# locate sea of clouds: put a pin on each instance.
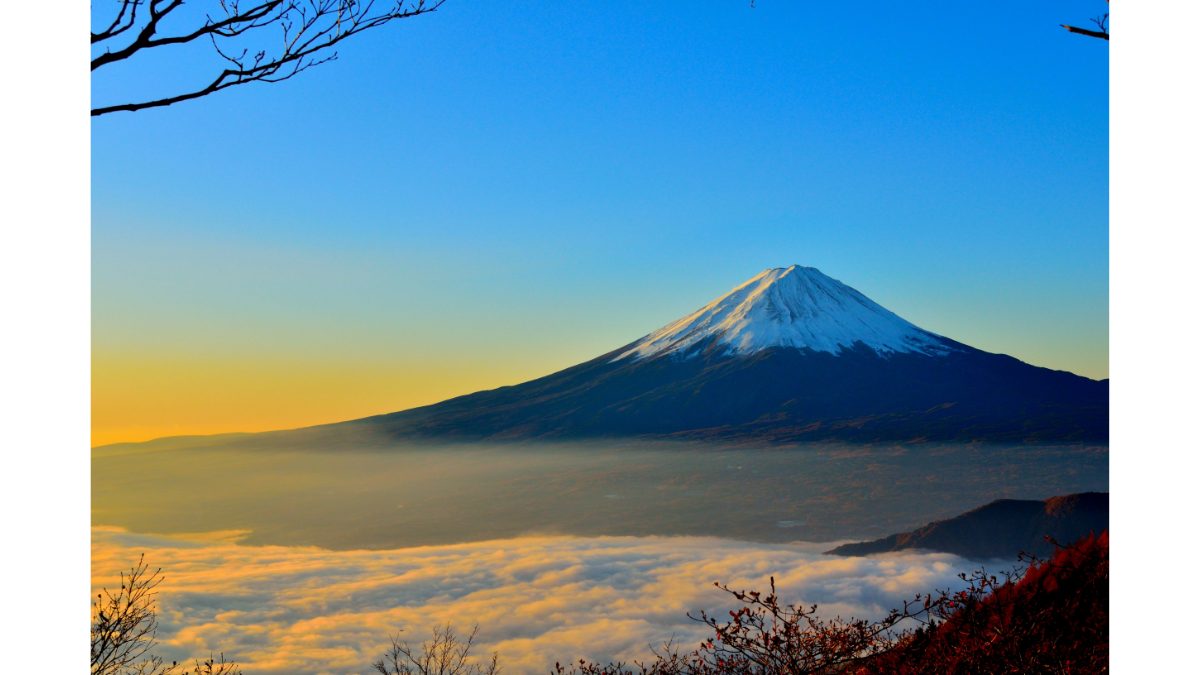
(537, 600)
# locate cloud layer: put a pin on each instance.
(537, 599)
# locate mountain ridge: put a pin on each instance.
(1000, 529)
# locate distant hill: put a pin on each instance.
(1001, 529)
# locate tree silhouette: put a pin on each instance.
(125, 628)
(1101, 23)
(309, 30)
(442, 654)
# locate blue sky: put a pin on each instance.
(499, 190)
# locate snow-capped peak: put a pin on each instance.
(790, 307)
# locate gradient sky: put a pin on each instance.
(499, 190)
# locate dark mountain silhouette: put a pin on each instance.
(791, 355)
(1001, 529)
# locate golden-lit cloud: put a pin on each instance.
(537, 599)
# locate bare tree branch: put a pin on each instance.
(235, 23)
(125, 20)
(1101, 23)
(443, 654)
(1084, 31)
(309, 29)
(125, 629)
(217, 666)
(125, 625)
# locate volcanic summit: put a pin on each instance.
(790, 355)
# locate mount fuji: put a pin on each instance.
(790, 307)
(791, 355)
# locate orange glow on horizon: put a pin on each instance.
(135, 398)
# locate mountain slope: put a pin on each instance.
(1001, 529)
(789, 356)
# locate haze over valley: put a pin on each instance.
(403, 495)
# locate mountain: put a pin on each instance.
(791, 355)
(794, 307)
(1001, 529)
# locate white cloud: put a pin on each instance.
(537, 599)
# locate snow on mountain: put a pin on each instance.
(790, 307)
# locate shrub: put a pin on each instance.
(125, 628)
(1044, 616)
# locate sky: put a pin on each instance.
(496, 191)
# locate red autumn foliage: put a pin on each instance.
(1049, 616)
(1054, 619)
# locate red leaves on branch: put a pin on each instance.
(1046, 616)
(1053, 619)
